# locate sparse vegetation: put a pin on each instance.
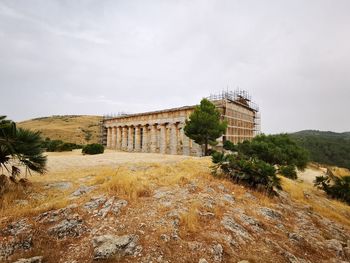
(88, 135)
(93, 148)
(204, 125)
(336, 187)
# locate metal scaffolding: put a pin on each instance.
(241, 125)
(238, 96)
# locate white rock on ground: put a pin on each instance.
(109, 246)
(37, 259)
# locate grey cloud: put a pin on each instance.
(96, 57)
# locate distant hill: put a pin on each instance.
(326, 147)
(68, 128)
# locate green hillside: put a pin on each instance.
(326, 147)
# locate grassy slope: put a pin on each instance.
(69, 128)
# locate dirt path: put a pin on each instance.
(309, 174)
(74, 159)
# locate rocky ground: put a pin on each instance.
(177, 212)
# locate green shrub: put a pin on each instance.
(288, 171)
(67, 146)
(93, 148)
(248, 171)
(217, 157)
(335, 187)
(52, 145)
(211, 151)
(230, 146)
(59, 146)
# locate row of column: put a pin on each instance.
(154, 138)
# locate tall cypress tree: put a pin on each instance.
(204, 125)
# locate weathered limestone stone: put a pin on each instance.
(109, 137)
(113, 140)
(173, 138)
(109, 246)
(130, 139)
(153, 143)
(145, 136)
(119, 138)
(37, 259)
(162, 144)
(137, 139)
(185, 142)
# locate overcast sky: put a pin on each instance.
(99, 57)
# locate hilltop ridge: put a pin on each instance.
(325, 147)
(68, 128)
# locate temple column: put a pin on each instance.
(124, 138)
(145, 135)
(173, 139)
(119, 137)
(153, 142)
(109, 137)
(113, 141)
(185, 142)
(162, 139)
(130, 138)
(137, 139)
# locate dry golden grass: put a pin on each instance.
(190, 220)
(329, 208)
(142, 179)
(10, 209)
(340, 171)
(137, 181)
(180, 173)
(124, 182)
(219, 211)
(67, 128)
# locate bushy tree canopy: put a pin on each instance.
(20, 147)
(277, 149)
(230, 146)
(204, 125)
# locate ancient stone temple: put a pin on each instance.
(163, 131)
